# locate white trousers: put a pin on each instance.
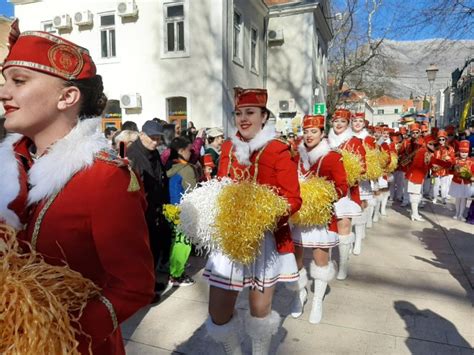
(441, 183)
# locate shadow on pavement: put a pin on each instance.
(424, 324)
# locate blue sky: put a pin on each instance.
(6, 8)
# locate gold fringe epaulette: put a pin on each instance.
(110, 156)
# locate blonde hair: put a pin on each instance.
(126, 136)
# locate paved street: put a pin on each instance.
(409, 292)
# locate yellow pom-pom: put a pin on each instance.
(245, 211)
(374, 168)
(318, 196)
(393, 163)
(171, 213)
(353, 166)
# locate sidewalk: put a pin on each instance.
(409, 292)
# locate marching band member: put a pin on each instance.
(317, 159)
(441, 175)
(380, 184)
(395, 138)
(341, 138)
(399, 172)
(407, 152)
(253, 152)
(358, 125)
(387, 180)
(85, 207)
(423, 160)
(460, 187)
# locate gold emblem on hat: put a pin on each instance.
(66, 59)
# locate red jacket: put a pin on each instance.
(331, 167)
(356, 146)
(422, 162)
(275, 168)
(462, 163)
(445, 153)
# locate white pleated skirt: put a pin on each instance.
(346, 208)
(414, 188)
(365, 190)
(459, 190)
(314, 237)
(380, 183)
(269, 268)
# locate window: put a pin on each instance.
(174, 28)
(238, 36)
(380, 112)
(395, 111)
(254, 50)
(177, 110)
(107, 36)
(412, 109)
(48, 27)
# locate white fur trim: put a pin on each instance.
(243, 150)
(262, 328)
(221, 333)
(9, 180)
(346, 239)
(323, 273)
(69, 155)
(336, 140)
(300, 283)
(362, 134)
(308, 158)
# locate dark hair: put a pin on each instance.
(109, 130)
(130, 126)
(93, 99)
(176, 144)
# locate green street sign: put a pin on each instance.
(319, 108)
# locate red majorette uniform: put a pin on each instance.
(442, 175)
(423, 160)
(460, 187)
(407, 152)
(387, 179)
(79, 208)
(323, 162)
(348, 206)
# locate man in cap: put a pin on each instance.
(146, 161)
(215, 138)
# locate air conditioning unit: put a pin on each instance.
(275, 36)
(127, 8)
(83, 18)
(287, 105)
(130, 101)
(62, 22)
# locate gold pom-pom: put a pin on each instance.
(40, 304)
(353, 166)
(171, 213)
(245, 211)
(393, 163)
(374, 169)
(318, 196)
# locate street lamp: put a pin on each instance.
(431, 72)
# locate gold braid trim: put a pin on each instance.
(39, 220)
(111, 310)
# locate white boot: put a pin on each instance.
(226, 334)
(383, 206)
(378, 203)
(261, 331)
(345, 242)
(359, 233)
(370, 212)
(300, 294)
(322, 275)
(414, 201)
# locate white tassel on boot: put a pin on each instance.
(322, 275)
(300, 294)
(370, 212)
(378, 204)
(261, 330)
(383, 206)
(345, 242)
(226, 334)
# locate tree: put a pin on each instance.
(352, 50)
(411, 95)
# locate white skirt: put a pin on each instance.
(365, 190)
(459, 190)
(414, 188)
(314, 237)
(346, 208)
(269, 268)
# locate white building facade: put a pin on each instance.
(178, 60)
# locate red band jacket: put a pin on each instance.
(356, 146)
(468, 164)
(269, 163)
(422, 162)
(83, 210)
(445, 153)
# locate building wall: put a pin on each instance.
(389, 117)
(139, 66)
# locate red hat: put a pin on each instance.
(207, 160)
(430, 139)
(395, 138)
(386, 129)
(424, 128)
(434, 131)
(464, 146)
(250, 97)
(450, 130)
(414, 127)
(370, 128)
(313, 121)
(442, 133)
(342, 113)
(50, 54)
(366, 123)
(403, 130)
(378, 129)
(359, 115)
